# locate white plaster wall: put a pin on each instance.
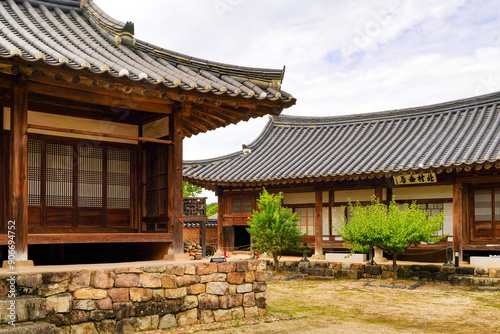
(424, 192)
(448, 218)
(76, 123)
(355, 195)
(299, 198)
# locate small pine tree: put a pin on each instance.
(390, 229)
(273, 228)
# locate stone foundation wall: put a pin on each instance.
(138, 299)
(478, 276)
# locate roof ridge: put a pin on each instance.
(394, 113)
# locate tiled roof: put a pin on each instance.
(462, 132)
(80, 35)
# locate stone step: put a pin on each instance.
(28, 328)
(474, 281)
(27, 308)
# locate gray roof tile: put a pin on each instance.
(59, 31)
(448, 134)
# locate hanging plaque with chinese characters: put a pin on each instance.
(415, 179)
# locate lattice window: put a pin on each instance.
(433, 209)
(90, 177)
(242, 205)
(306, 220)
(118, 179)
(59, 175)
(194, 206)
(34, 172)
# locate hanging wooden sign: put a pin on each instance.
(415, 179)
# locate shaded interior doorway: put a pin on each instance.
(241, 238)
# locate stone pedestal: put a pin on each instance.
(379, 255)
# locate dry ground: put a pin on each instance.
(346, 306)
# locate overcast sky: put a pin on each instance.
(341, 57)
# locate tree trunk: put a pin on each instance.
(394, 266)
(275, 257)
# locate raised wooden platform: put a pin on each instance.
(78, 238)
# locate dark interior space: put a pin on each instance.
(241, 238)
(92, 253)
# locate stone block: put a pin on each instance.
(242, 266)
(447, 270)
(189, 303)
(235, 278)
(249, 277)
(196, 289)
(354, 274)
(253, 265)
(217, 288)
(225, 267)
(249, 299)
(175, 293)
(169, 306)
(203, 269)
(126, 281)
(154, 269)
(478, 271)
(86, 328)
(158, 294)
(346, 265)
(208, 302)
(148, 323)
(494, 273)
(260, 276)
(177, 269)
(84, 304)
(358, 266)
(219, 277)
(129, 270)
(102, 279)
(206, 278)
(251, 312)
(79, 280)
(260, 300)
(119, 294)
(464, 270)
(124, 310)
(191, 279)
(238, 313)
(187, 318)
(90, 293)
(259, 286)
(222, 315)
(126, 326)
(140, 295)
(27, 308)
(32, 280)
(105, 304)
(190, 269)
(168, 321)
(168, 281)
(150, 280)
(146, 308)
(206, 316)
(232, 289)
(47, 290)
(230, 301)
(78, 316)
(99, 315)
(61, 303)
(262, 312)
(387, 274)
(244, 288)
(106, 326)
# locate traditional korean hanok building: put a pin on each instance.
(92, 128)
(444, 156)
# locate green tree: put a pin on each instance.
(212, 209)
(390, 229)
(273, 228)
(190, 190)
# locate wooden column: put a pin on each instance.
(379, 194)
(3, 179)
(318, 239)
(220, 221)
(19, 168)
(457, 216)
(331, 204)
(175, 224)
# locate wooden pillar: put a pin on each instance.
(378, 194)
(19, 168)
(457, 216)
(220, 220)
(331, 204)
(3, 179)
(318, 239)
(175, 223)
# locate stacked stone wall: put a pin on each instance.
(138, 299)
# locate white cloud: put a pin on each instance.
(342, 56)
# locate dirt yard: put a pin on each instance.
(346, 306)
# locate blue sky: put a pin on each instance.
(341, 57)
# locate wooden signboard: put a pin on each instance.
(401, 180)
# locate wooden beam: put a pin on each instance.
(175, 178)
(457, 216)
(112, 99)
(19, 167)
(318, 235)
(83, 238)
(98, 134)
